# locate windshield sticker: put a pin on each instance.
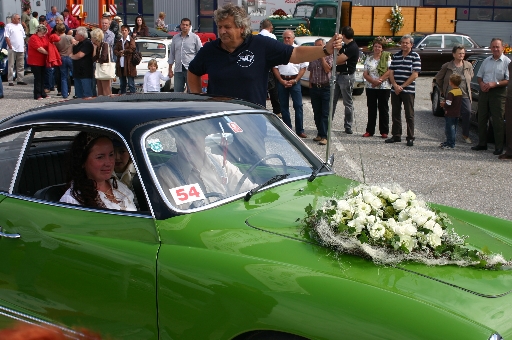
(155, 145)
(234, 126)
(187, 193)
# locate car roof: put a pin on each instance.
(124, 113)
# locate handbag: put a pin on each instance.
(105, 71)
(136, 57)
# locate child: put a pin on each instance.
(451, 107)
(152, 78)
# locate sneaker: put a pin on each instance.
(467, 140)
(442, 144)
(317, 139)
(323, 141)
(446, 147)
(367, 134)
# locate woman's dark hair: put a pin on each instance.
(457, 47)
(83, 188)
(379, 41)
(137, 28)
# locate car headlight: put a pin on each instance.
(495, 336)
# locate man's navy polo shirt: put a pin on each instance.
(243, 73)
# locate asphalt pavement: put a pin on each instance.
(471, 180)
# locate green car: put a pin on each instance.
(217, 247)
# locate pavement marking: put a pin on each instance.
(357, 170)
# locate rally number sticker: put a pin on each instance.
(187, 193)
(234, 127)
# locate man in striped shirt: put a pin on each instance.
(405, 68)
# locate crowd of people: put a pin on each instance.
(269, 68)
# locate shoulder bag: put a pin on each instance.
(136, 56)
(105, 71)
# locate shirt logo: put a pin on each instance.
(245, 59)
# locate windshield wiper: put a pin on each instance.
(274, 179)
(327, 165)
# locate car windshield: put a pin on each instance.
(151, 49)
(198, 163)
(302, 11)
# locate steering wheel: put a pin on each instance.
(251, 169)
(208, 195)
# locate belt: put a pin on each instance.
(288, 77)
(320, 85)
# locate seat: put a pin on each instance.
(51, 193)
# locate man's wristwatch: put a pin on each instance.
(497, 83)
(325, 50)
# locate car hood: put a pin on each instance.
(483, 231)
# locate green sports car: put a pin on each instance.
(217, 248)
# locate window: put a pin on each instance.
(10, 149)
(467, 43)
(432, 42)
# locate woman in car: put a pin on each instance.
(92, 184)
(465, 70)
(140, 29)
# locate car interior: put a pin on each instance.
(43, 172)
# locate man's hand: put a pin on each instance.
(484, 87)
(398, 88)
(171, 74)
(334, 43)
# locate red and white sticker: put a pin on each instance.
(234, 126)
(187, 193)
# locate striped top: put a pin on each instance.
(403, 67)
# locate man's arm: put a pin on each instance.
(302, 54)
(170, 61)
(193, 82)
(325, 65)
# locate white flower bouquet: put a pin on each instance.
(396, 19)
(3, 53)
(390, 225)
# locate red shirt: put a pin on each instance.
(35, 57)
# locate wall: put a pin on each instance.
(483, 31)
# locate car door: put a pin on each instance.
(430, 51)
(324, 20)
(73, 266)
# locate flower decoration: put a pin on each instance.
(390, 225)
(388, 42)
(396, 20)
(2, 24)
(279, 14)
(507, 49)
(3, 54)
(301, 30)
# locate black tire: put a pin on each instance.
(357, 92)
(437, 110)
(115, 90)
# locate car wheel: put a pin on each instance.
(437, 110)
(357, 92)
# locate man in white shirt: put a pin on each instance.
(183, 49)
(15, 39)
(288, 84)
(266, 29)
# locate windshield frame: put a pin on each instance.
(305, 151)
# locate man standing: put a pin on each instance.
(108, 35)
(320, 92)
(238, 62)
(183, 49)
(50, 17)
(25, 20)
(346, 67)
(266, 31)
(405, 68)
(15, 39)
(288, 85)
(493, 79)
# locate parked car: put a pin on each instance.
(436, 49)
(359, 84)
(151, 48)
(196, 263)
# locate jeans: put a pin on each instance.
(344, 89)
(65, 69)
(83, 87)
(450, 129)
(122, 84)
(1, 90)
(296, 94)
(377, 99)
(320, 102)
(180, 79)
(49, 82)
(19, 58)
(38, 72)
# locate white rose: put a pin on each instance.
(370, 219)
(419, 219)
(409, 229)
(376, 203)
(438, 230)
(377, 231)
(433, 239)
(408, 242)
(343, 205)
(429, 224)
(375, 190)
(393, 197)
(403, 216)
(399, 204)
(385, 192)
